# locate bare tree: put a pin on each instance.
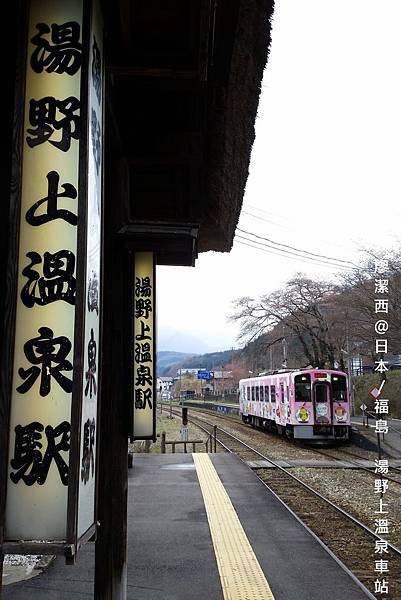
(306, 308)
(324, 322)
(362, 289)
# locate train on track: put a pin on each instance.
(310, 404)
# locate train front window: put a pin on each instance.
(321, 392)
(302, 388)
(339, 388)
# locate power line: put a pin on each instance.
(288, 227)
(286, 254)
(245, 212)
(282, 218)
(266, 212)
(347, 263)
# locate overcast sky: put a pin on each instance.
(325, 166)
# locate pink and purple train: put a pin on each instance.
(311, 404)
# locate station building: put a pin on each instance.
(165, 126)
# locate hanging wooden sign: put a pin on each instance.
(144, 347)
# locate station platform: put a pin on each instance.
(204, 527)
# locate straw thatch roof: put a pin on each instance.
(183, 86)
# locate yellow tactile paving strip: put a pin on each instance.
(241, 575)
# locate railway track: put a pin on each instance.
(347, 538)
(370, 470)
(395, 470)
(339, 450)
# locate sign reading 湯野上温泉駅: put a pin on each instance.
(144, 355)
(50, 493)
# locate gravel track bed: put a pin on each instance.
(359, 499)
(354, 547)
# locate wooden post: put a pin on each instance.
(163, 443)
(379, 448)
(12, 128)
(173, 447)
(1, 573)
(215, 437)
(111, 543)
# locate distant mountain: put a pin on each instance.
(170, 362)
(211, 360)
(167, 358)
(182, 341)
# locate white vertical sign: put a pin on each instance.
(86, 505)
(40, 419)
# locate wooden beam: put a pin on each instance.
(132, 71)
(206, 36)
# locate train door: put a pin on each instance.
(283, 406)
(288, 414)
(268, 411)
(273, 401)
(257, 395)
(321, 403)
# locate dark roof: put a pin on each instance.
(183, 88)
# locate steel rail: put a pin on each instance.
(358, 466)
(299, 481)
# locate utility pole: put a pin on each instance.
(349, 366)
(284, 350)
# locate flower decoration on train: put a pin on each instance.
(302, 415)
(321, 413)
(340, 414)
